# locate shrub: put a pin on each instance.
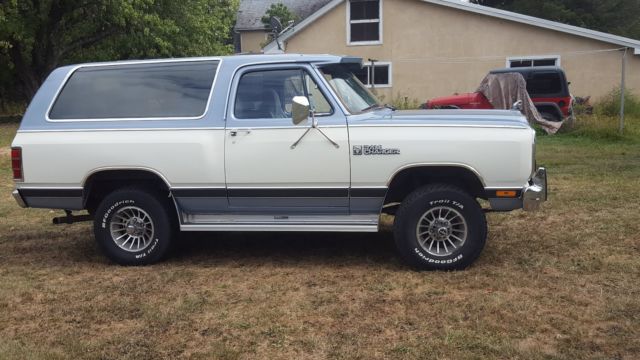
(401, 102)
(610, 104)
(601, 127)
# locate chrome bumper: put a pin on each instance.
(19, 199)
(536, 193)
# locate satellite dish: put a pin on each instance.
(276, 25)
(276, 28)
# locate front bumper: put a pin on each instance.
(18, 198)
(536, 192)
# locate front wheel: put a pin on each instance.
(133, 227)
(440, 227)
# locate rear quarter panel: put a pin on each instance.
(66, 158)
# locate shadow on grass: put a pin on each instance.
(292, 248)
(75, 247)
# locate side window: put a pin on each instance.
(153, 90)
(269, 94)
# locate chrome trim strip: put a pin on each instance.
(49, 188)
(283, 127)
(465, 166)
(136, 62)
(440, 125)
(109, 168)
(123, 129)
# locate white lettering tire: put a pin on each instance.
(440, 227)
(134, 227)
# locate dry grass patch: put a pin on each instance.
(559, 284)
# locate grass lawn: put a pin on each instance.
(563, 283)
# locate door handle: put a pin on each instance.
(235, 132)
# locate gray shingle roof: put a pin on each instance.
(251, 12)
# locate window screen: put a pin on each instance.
(158, 90)
(379, 76)
(533, 62)
(364, 9)
(364, 20)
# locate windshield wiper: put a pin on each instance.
(374, 106)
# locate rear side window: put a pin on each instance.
(544, 84)
(157, 90)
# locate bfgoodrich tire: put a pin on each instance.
(440, 227)
(133, 227)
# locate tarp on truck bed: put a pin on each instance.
(503, 90)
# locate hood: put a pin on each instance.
(444, 118)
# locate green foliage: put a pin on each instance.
(599, 127)
(281, 11)
(613, 16)
(401, 102)
(610, 104)
(38, 36)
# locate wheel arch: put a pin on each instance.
(102, 181)
(408, 178)
(551, 108)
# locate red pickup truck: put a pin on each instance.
(547, 86)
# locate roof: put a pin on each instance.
(488, 11)
(236, 60)
(251, 12)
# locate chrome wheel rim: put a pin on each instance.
(441, 231)
(132, 229)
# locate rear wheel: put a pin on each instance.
(440, 227)
(133, 227)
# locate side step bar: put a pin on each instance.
(326, 223)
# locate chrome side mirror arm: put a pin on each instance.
(314, 125)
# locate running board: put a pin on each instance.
(311, 223)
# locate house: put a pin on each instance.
(427, 48)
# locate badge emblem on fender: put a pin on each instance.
(374, 150)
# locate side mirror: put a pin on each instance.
(300, 109)
(518, 105)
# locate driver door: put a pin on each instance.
(264, 173)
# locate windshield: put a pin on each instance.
(353, 94)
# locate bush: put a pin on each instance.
(601, 127)
(610, 104)
(11, 108)
(405, 103)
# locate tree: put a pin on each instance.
(36, 36)
(620, 17)
(281, 11)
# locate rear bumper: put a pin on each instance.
(18, 198)
(536, 192)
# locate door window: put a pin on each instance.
(269, 94)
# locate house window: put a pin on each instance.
(364, 22)
(378, 75)
(533, 61)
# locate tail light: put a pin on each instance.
(16, 163)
